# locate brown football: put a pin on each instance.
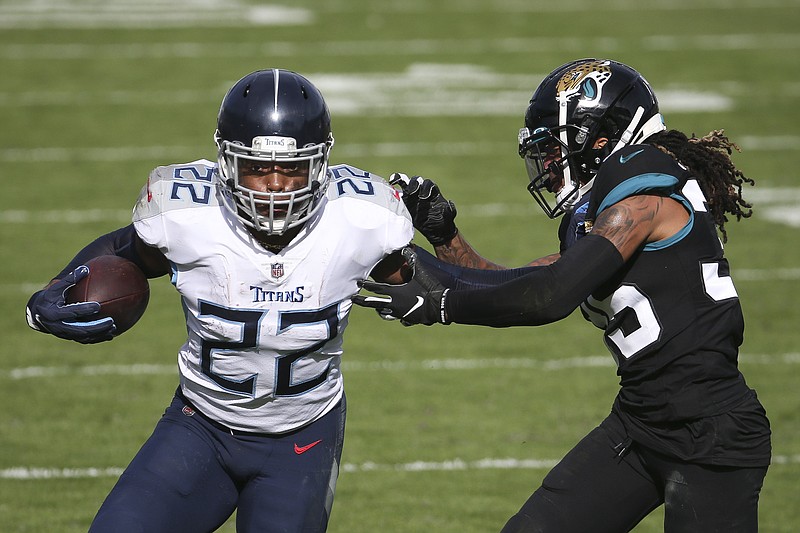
(118, 285)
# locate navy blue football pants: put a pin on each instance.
(192, 474)
(606, 484)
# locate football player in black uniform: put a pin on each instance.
(685, 429)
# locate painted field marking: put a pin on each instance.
(778, 205)
(380, 149)
(461, 465)
(419, 47)
(423, 89)
(387, 365)
(44, 14)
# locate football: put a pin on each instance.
(118, 285)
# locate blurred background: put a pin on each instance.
(449, 429)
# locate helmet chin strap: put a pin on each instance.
(572, 196)
(586, 187)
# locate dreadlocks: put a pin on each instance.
(709, 159)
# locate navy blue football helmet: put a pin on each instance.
(576, 105)
(280, 118)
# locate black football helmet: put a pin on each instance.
(577, 104)
(277, 117)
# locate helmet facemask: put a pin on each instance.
(276, 212)
(273, 124)
(555, 168)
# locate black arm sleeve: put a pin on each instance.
(544, 295)
(121, 242)
(462, 278)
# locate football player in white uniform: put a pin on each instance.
(266, 248)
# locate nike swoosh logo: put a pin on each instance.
(625, 158)
(303, 449)
(417, 305)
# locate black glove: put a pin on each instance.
(48, 312)
(419, 301)
(433, 214)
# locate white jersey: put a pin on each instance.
(265, 330)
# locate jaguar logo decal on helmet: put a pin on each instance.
(586, 80)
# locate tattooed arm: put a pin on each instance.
(459, 252)
(638, 220)
(545, 294)
(628, 225)
(551, 293)
(548, 293)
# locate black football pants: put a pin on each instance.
(608, 484)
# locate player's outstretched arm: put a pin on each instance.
(434, 216)
(540, 295)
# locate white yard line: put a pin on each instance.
(456, 464)
(224, 13)
(778, 204)
(552, 365)
(422, 89)
(521, 45)
(137, 14)
(394, 95)
(380, 149)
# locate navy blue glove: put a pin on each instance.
(418, 301)
(433, 215)
(48, 312)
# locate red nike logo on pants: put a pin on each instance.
(303, 449)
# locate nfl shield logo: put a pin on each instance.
(277, 270)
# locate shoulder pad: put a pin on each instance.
(177, 186)
(635, 169)
(354, 183)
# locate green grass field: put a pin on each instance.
(449, 428)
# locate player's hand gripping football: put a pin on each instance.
(48, 311)
(433, 214)
(418, 301)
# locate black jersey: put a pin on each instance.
(671, 316)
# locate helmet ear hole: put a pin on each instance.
(586, 130)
